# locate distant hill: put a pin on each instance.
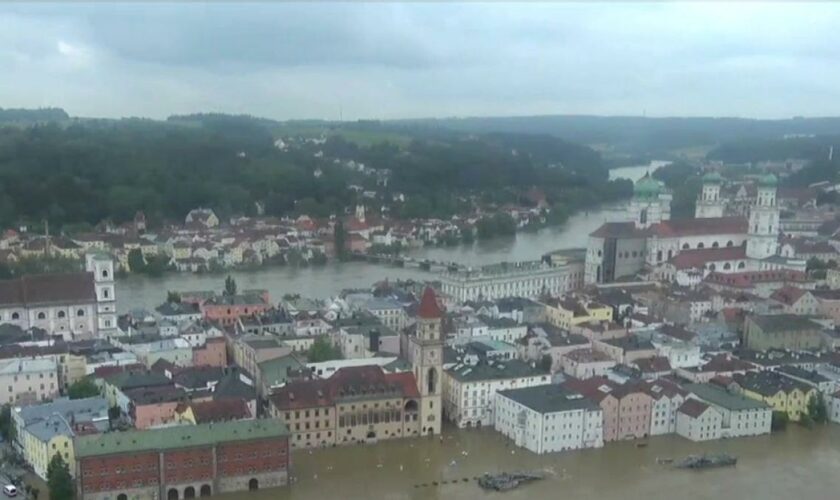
(641, 135)
(32, 116)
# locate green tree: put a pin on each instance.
(779, 421)
(340, 241)
(323, 350)
(546, 362)
(7, 427)
(59, 481)
(230, 286)
(136, 262)
(84, 388)
(817, 408)
(173, 297)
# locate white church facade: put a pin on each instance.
(685, 250)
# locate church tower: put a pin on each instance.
(427, 361)
(709, 204)
(650, 205)
(763, 233)
(102, 268)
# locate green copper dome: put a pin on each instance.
(712, 178)
(768, 180)
(647, 187)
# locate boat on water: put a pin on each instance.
(505, 481)
(707, 461)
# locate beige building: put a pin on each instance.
(782, 331)
(251, 350)
(28, 381)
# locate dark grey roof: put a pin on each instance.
(549, 398)
(507, 369)
(784, 322)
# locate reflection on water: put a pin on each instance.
(138, 291)
(799, 463)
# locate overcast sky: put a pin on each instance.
(393, 60)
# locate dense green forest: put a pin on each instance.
(775, 149)
(85, 171)
(684, 180)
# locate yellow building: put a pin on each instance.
(781, 393)
(570, 311)
(43, 430)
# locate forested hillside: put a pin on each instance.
(92, 170)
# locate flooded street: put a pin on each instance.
(798, 463)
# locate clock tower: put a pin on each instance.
(427, 361)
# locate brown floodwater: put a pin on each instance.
(797, 464)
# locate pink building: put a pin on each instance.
(212, 353)
(227, 309)
(626, 407)
(153, 406)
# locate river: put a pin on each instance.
(797, 463)
(139, 291)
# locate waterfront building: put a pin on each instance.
(426, 356)
(529, 279)
(28, 381)
(228, 309)
(184, 461)
(469, 390)
(699, 421)
(544, 339)
(651, 241)
(741, 416)
(782, 331)
(782, 393)
(833, 403)
(667, 398)
(359, 404)
(627, 407)
(549, 418)
(45, 429)
(74, 305)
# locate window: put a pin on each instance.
(61, 314)
(15, 315)
(80, 313)
(41, 315)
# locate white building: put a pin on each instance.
(74, 305)
(528, 279)
(698, 421)
(741, 416)
(667, 399)
(504, 329)
(469, 391)
(28, 381)
(709, 203)
(649, 240)
(549, 418)
(833, 403)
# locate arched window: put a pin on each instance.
(715, 244)
(741, 265)
(61, 314)
(701, 245)
(42, 315)
(122, 496)
(206, 491)
(729, 243)
(104, 273)
(685, 246)
(189, 492)
(15, 315)
(712, 267)
(80, 313)
(727, 266)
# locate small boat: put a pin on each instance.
(664, 461)
(707, 461)
(505, 481)
(642, 444)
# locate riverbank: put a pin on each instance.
(797, 463)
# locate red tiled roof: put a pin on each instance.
(618, 230)
(429, 307)
(693, 408)
(746, 279)
(220, 410)
(655, 364)
(691, 227)
(688, 259)
(62, 288)
(788, 295)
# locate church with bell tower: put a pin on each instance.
(426, 355)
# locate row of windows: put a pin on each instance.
(43, 315)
